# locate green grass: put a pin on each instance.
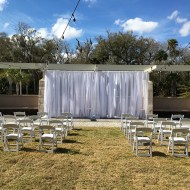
(92, 158)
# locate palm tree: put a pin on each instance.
(172, 48)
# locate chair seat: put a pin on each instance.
(27, 129)
(13, 136)
(143, 139)
(178, 139)
(47, 136)
(166, 131)
(59, 129)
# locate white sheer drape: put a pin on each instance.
(100, 93)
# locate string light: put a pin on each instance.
(71, 18)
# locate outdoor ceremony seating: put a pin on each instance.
(60, 129)
(132, 129)
(12, 137)
(177, 118)
(43, 118)
(143, 138)
(126, 125)
(27, 129)
(123, 119)
(150, 118)
(69, 119)
(156, 126)
(47, 138)
(165, 130)
(10, 119)
(20, 115)
(179, 137)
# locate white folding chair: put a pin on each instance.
(69, 119)
(185, 122)
(12, 137)
(47, 138)
(43, 118)
(144, 140)
(1, 130)
(132, 129)
(59, 129)
(20, 115)
(123, 119)
(150, 118)
(177, 118)
(27, 129)
(165, 130)
(10, 119)
(176, 140)
(156, 125)
(126, 124)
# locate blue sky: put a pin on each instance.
(158, 19)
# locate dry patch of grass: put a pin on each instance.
(92, 158)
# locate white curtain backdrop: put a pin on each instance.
(99, 93)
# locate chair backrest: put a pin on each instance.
(124, 115)
(33, 117)
(168, 124)
(42, 114)
(137, 124)
(10, 127)
(55, 122)
(26, 123)
(158, 121)
(19, 114)
(181, 131)
(150, 117)
(67, 114)
(46, 127)
(144, 129)
(176, 117)
(9, 119)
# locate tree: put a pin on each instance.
(125, 49)
(173, 52)
(161, 56)
(84, 52)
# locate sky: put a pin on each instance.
(157, 19)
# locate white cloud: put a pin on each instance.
(90, 1)
(137, 25)
(173, 15)
(43, 32)
(185, 30)
(181, 20)
(6, 25)
(2, 4)
(70, 33)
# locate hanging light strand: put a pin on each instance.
(71, 18)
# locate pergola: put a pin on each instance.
(93, 67)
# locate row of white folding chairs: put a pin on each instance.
(25, 132)
(13, 137)
(136, 128)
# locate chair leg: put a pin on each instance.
(150, 149)
(172, 148)
(136, 148)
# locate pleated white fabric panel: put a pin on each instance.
(99, 93)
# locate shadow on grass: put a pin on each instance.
(157, 153)
(73, 134)
(29, 149)
(75, 129)
(66, 151)
(69, 141)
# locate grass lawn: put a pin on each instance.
(92, 158)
